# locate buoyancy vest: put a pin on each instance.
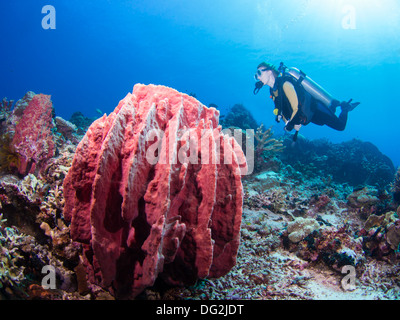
(306, 105)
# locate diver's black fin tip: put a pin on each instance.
(349, 106)
(353, 105)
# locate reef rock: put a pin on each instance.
(393, 235)
(395, 186)
(67, 129)
(81, 122)
(33, 138)
(365, 197)
(240, 117)
(301, 228)
(354, 162)
(155, 190)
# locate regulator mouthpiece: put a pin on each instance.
(258, 87)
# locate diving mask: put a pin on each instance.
(259, 73)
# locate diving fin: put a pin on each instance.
(349, 106)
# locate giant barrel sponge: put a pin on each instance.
(33, 139)
(155, 191)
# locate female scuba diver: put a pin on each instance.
(299, 100)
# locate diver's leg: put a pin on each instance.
(342, 121)
(324, 116)
(335, 103)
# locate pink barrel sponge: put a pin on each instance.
(33, 138)
(155, 190)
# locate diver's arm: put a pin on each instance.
(291, 94)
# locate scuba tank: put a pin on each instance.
(314, 89)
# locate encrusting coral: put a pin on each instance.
(301, 228)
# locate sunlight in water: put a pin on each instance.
(376, 14)
(334, 29)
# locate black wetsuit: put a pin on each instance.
(308, 109)
(325, 116)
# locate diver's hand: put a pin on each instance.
(289, 126)
(278, 118)
(297, 127)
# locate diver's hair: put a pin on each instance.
(269, 66)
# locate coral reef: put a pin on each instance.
(29, 137)
(381, 235)
(20, 106)
(354, 214)
(33, 234)
(81, 122)
(393, 235)
(6, 105)
(10, 115)
(11, 275)
(67, 129)
(365, 197)
(333, 246)
(284, 192)
(21, 200)
(240, 117)
(21, 264)
(354, 162)
(170, 215)
(369, 200)
(267, 271)
(5, 109)
(9, 158)
(364, 201)
(395, 187)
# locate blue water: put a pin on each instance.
(99, 49)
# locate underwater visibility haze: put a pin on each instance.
(114, 224)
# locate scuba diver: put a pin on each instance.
(299, 100)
